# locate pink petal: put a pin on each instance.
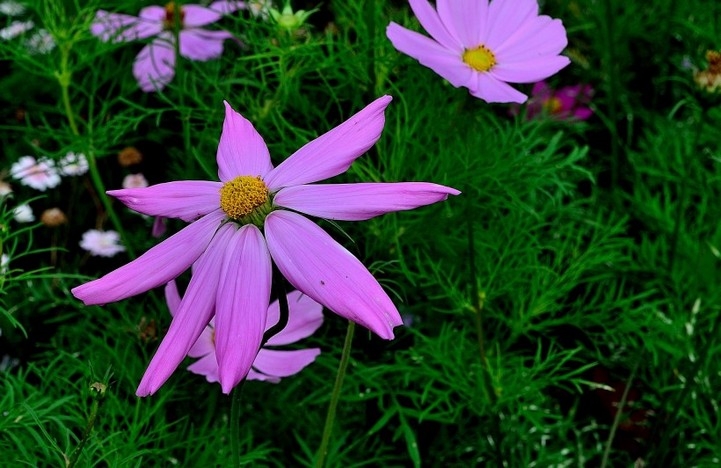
(122, 28)
(321, 268)
(192, 316)
(202, 45)
(537, 38)
(491, 89)
(428, 17)
(241, 150)
(154, 66)
(205, 344)
(187, 200)
(582, 113)
(153, 13)
(172, 296)
(505, 17)
(157, 266)
(541, 90)
(530, 70)
(465, 19)
(333, 152)
(206, 366)
(227, 6)
(242, 305)
(197, 15)
(305, 316)
(357, 202)
(284, 363)
(429, 53)
(158, 228)
(253, 375)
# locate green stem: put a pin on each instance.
(235, 425)
(619, 414)
(86, 434)
(335, 396)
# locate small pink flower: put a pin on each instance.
(305, 316)
(154, 66)
(567, 103)
(39, 174)
(251, 219)
(484, 47)
(73, 164)
(134, 181)
(101, 243)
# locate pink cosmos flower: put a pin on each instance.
(305, 316)
(254, 215)
(484, 47)
(154, 66)
(567, 103)
(39, 174)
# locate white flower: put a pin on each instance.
(5, 188)
(134, 181)
(38, 174)
(15, 29)
(23, 213)
(73, 164)
(41, 42)
(11, 8)
(101, 243)
(260, 8)
(4, 263)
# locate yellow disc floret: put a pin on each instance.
(245, 199)
(480, 58)
(553, 105)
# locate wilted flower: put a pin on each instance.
(484, 47)
(41, 42)
(101, 243)
(567, 103)
(11, 8)
(73, 164)
(154, 66)
(39, 174)
(53, 217)
(15, 29)
(305, 316)
(134, 181)
(129, 156)
(224, 241)
(23, 213)
(710, 79)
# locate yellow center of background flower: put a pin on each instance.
(552, 105)
(480, 58)
(242, 195)
(170, 10)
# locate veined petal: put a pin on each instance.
(429, 53)
(537, 37)
(198, 15)
(465, 19)
(154, 67)
(530, 70)
(333, 152)
(206, 366)
(202, 45)
(505, 18)
(157, 266)
(253, 375)
(242, 305)
(491, 89)
(428, 17)
(192, 316)
(153, 13)
(172, 296)
(305, 316)
(357, 202)
(206, 342)
(321, 268)
(241, 150)
(284, 363)
(187, 199)
(227, 6)
(122, 28)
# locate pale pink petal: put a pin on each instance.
(305, 316)
(202, 45)
(122, 28)
(429, 53)
(529, 71)
(537, 38)
(172, 296)
(158, 228)
(242, 305)
(428, 17)
(192, 315)
(205, 344)
(197, 15)
(321, 268)
(241, 150)
(187, 199)
(206, 366)
(505, 17)
(464, 18)
(227, 6)
(333, 152)
(491, 89)
(155, 267)
(357, 202)
(253, 375)
(154, 66)
(284, 363)
(153, 13)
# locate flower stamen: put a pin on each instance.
(481, 58)
(245, 199)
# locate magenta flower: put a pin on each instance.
(484, 47)
(154, 66)
(305, 316)
(567, 103)
(231, 256)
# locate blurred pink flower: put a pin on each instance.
(101, 243)
(484, 47)
(224, 242)
(73, 164)
(305, 316)
(134, 181)
(39, 174)
(154, 66)
(567, 103)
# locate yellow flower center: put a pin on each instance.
(245, 199)
(170, 10)
(480, 58)
(552, 105)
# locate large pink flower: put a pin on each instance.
(305, 316)
(231, 256)
(483, 46)
(154, 66)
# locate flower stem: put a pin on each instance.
(98, 390)
(335, 396)
(235, 425)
